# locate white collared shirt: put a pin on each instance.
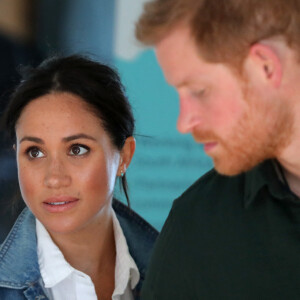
(62, 282)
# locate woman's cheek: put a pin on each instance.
(27, 183)
(97, 180)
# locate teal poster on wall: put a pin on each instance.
(165, 162)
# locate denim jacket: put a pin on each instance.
(19, 268)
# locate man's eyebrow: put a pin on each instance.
(32, 139)
(78, 136)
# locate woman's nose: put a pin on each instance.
(56, 175)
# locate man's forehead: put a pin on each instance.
(181, 62)
(176, 54)
(173, 44)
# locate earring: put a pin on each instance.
(123, 170)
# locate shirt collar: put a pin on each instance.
(54, 268)
(126, 271)
(267, 174)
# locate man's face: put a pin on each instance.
(238, 125)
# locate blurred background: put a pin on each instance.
(165, 162)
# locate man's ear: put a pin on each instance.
(264, 63)
(126, 155)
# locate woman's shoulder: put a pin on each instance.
(132, 220)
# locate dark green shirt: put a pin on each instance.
(229, 238)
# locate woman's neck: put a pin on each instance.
(92, 251)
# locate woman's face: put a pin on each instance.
(67, 165)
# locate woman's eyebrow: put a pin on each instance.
(78, 136)
(65, 139)
(32, 139)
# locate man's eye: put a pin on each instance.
(35, 152)
(198, 93)
(78, 150)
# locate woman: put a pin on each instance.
(72, 128)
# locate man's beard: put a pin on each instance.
(261, 133)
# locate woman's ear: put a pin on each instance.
(126, 155)
(14, 147)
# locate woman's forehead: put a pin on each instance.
(58, 111)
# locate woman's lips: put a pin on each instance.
(60, 204)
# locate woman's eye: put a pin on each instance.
(35, 152)
(78, 150)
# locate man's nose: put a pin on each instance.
(189, 115)
(56, 174)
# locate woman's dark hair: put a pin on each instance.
(95, 83)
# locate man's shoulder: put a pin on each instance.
(210, 191)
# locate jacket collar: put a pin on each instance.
(140, 237)
(20, 247)
(19, 250)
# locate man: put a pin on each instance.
(235, 233)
